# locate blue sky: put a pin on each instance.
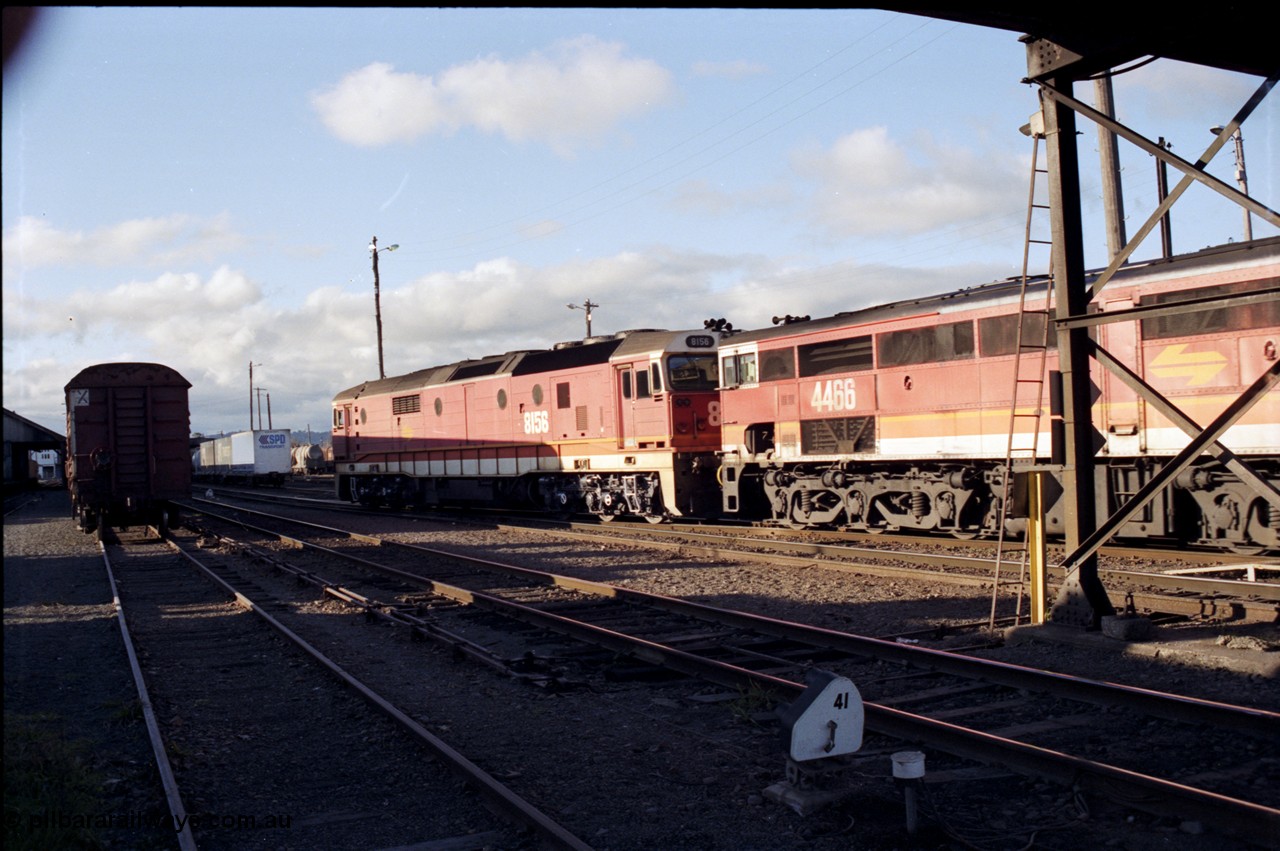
(198, 187)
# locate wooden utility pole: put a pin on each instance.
(1112, 192)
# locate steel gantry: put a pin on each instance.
(1083, 601)
(1063, 49)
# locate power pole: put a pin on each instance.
(1112, 194)
(251, 366)
(377, 305)
(586, 305)
(377, 299)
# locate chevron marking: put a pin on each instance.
(1198, 367)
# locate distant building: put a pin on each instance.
(22, 437)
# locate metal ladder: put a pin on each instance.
(1026, 409)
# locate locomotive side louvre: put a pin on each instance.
(898, 416)
(127, 444)
(613, 425)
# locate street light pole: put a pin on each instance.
(586, 305)
(1242, 179)
(251, 366)
(377, 300)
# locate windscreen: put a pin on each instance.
(693, 372)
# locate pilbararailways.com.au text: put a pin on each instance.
(147, 821)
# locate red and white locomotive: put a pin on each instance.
(892, 417)
(620, 425)
(898, 417)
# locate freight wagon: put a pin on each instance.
(309, 459)
(127, 453)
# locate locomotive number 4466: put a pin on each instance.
(835, 394)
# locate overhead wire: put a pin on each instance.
(685, 174)
(676, 146)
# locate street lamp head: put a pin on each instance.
(1215, 130)
(392, 247)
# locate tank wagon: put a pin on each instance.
(620, 425)
(127, 444)
(309, 459)
(898, 416)
(260, 456)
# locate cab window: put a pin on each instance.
(739, 369)
(692, 372)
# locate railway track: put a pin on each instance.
(1195, 585)
(343, 777)
(1021, 719)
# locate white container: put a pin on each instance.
(908, 765)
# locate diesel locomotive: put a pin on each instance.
(627, 424)
(906, 416)
(912, 415)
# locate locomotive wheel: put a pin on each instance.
(560, 507)
(655, 519)
(606, 518)
(1256, 528)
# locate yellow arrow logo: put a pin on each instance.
(1198, 367)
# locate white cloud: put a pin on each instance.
(209, 327)
(170, 240)
(866, 183)
(573, 93)
(1168, 91)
